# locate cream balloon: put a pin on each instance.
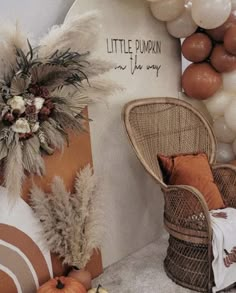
(167, 10)
(234, 146)
(217, 103)
(210, 14)
(229, 81)
(230, 115)
(183, 26)
(222, 132)
(224, 153)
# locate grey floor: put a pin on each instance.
(141, 272)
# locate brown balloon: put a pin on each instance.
(197, 47)
(230, 40)
(217, 34)
(201, 81)
(221, 60)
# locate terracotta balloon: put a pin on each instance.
(218, 33)
(221, 60)
(201, 81)
(197, 47)
(230, 40)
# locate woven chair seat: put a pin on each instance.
(171, 126)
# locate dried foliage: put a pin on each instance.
(72, 223)
(43, 91)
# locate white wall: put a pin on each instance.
(133, 201)
(36, 16)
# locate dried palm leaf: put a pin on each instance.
(67, 120)
(19, 85)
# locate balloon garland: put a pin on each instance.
(208, 30)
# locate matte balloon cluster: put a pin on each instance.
(208, 30)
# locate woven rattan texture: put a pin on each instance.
(186, 263)
(225, 179)
(167, 129)
(171, 126)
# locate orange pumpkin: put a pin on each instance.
(63, 285)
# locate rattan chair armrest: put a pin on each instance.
(186, 213)
(225, 178)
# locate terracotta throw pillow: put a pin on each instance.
(193, 170)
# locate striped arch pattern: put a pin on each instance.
(23, 267)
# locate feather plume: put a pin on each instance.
(72, 223)
(97, 67)
(14, 171)
(87, 200)
(97, 90)
(32, 161)
(42, 204)
(12, 37)
(79, 33)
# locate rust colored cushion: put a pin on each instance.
(192, 170)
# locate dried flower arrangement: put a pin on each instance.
(43, 91)
(72, 223)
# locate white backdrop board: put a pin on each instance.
(147, 65)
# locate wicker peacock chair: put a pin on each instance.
(171, 126)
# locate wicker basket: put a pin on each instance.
(172, 126)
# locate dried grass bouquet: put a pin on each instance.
(43, 91)
(73, 223)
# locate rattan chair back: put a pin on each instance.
(166, 126)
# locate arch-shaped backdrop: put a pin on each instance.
(147, 64)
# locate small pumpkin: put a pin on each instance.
(62, 284)
(81, 275)
(99, 289)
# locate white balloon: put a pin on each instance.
(224, 153)
(183, 26)
(167, 10)
(210, 14)
(222, 132)
(234, 146)
(217, 103)
(229, 81)
(230, 115)
(188, 4)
